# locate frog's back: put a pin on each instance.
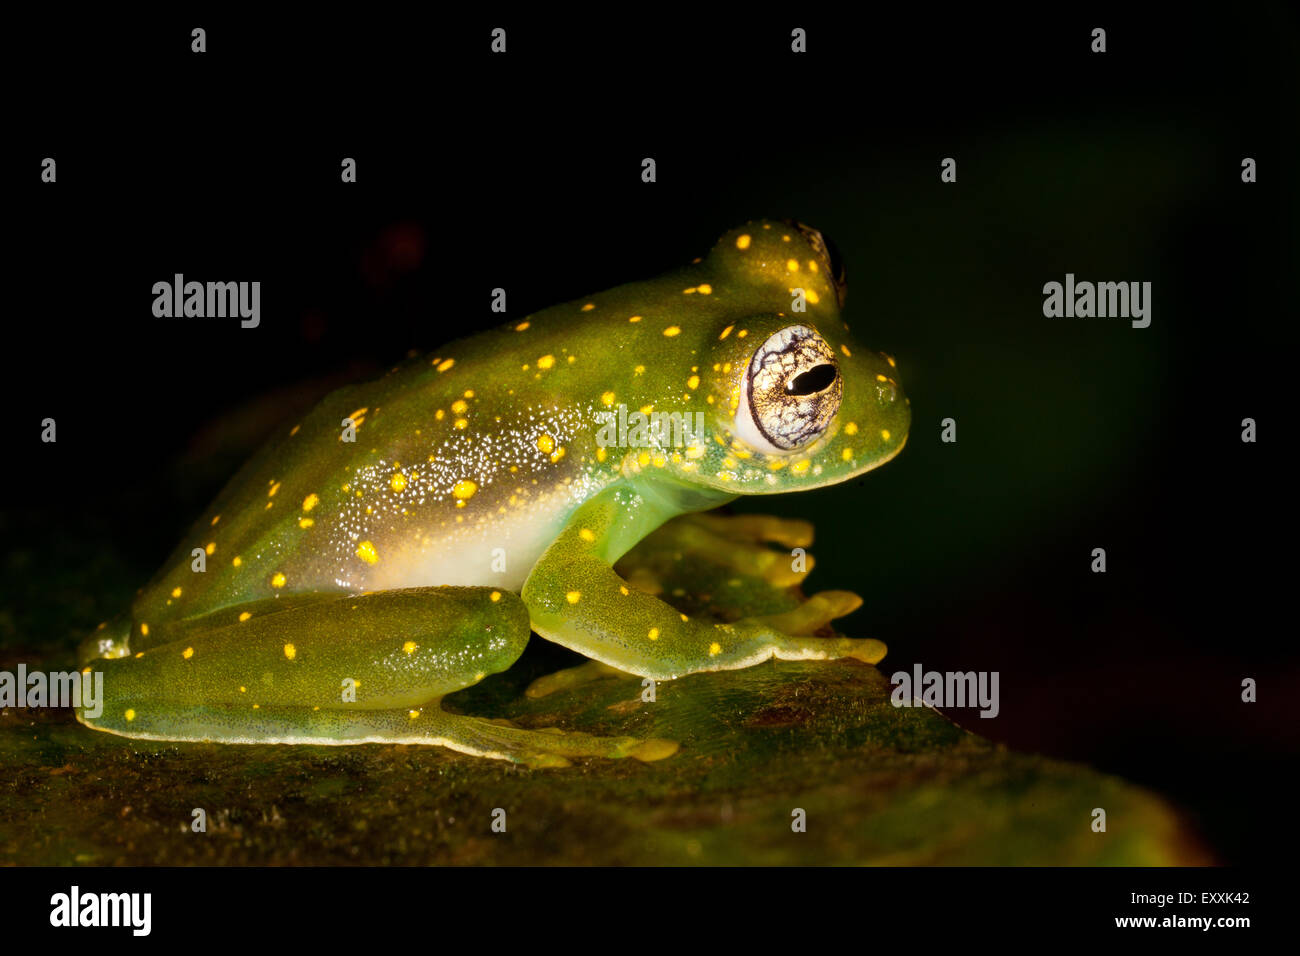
(440, 466)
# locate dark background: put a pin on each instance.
(523, 172)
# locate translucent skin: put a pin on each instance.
(480, 496)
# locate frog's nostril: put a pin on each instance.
(829, 254)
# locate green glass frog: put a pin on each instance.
(402, 540)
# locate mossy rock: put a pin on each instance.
(878, 785)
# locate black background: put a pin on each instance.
(523, 171)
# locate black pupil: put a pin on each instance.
(813, 380)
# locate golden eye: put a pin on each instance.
(792, 390)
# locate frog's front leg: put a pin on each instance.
(340, 670)
(576, 598)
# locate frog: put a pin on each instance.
(404, 539)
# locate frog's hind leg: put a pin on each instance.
(339, 670)
(572, 677)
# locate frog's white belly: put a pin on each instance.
(498, 552)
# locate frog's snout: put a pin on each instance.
(831, 260)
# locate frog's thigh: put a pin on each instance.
(347, 670)
(575, 598)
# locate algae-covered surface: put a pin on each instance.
(876, 784)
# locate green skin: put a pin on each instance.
(401, 541)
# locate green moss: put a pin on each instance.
(879, 785)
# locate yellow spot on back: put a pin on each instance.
(306, 522)
(742, 242)
(464, 489)
(654, 634)
(573, 597)
(144, 629)
(799, 467)
(845, 350)
(397, 482)
(693, 382)
(494, 596)
(367, 553)
(187, 653)
(588, 307)
(607, 398)
(244, 616)
(586, 534)
(545, 443)
(442, 367)
(851, 428)
(546, 361)
(847, 454)
(278, 580)
(290, 651)
(215, 520)
(635, 318)
(725, 332)
(715, 649)
(130, 714)
(884, 433)
(671, 331)
(409, 647)
(705, 288)
(622, 589)
(792, 265)
(176, 592)
(521, 326)
(274, 488)
(236, 561)
(211, 548)
(601, 454)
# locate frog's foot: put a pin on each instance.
(716, 554)
(814, 614)
(572, 677)
(545, 747)
(108, 641)
(425, 725)
(787, 532)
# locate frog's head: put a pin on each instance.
(794, 401)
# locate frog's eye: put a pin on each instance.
(830, 257)
(791, 392)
